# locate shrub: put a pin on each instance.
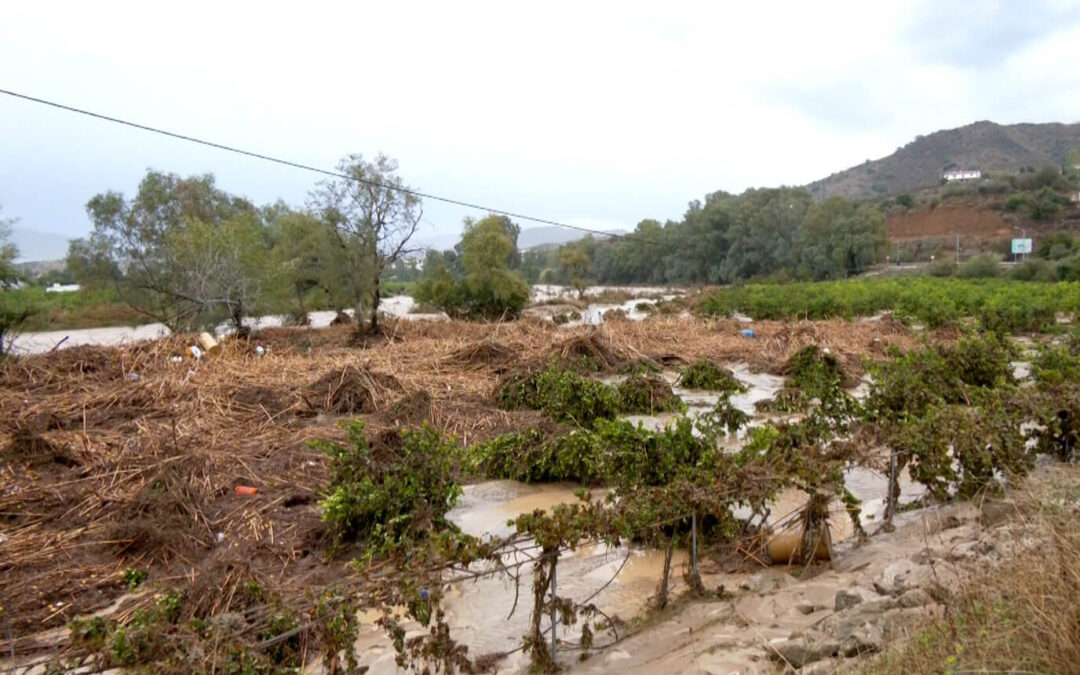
(647, 395)
(709, 376)
(982, 441)
(1016, 202)
(562, 394)
(942, 267)
(982, 266)
(1033, 270)
(909, 384)
(389, 493)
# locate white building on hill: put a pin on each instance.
(961, 175)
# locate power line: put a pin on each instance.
(304, 167)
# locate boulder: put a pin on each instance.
(804, 650)
(916, 597)
(994, 511)
(845, 599)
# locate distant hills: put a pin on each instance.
(983, 145)
(535, 237)
(37, 246)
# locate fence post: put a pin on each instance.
(554, 563)
(693, 540)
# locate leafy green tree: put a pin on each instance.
(130, 243)
(8, 252)
(309, 255)
(12, 314)
(840, 237)
(488, 288)
(226, 268)
(761, 239)
(375, 216)
(575, 261)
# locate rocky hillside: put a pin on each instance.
(983, 145)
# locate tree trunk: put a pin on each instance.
(237, 312)
(375, 297)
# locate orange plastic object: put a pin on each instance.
(246, 490)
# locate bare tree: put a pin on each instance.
(374, 215)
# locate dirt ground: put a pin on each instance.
(119, 459)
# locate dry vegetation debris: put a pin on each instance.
(113, 459)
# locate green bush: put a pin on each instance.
(611, 452)
(981, 442)
(1033, 270)
(562, 394)
(982, 266)
(911, 383)
(707, 375)
(393, 492)
(647, 395)
(942, 267)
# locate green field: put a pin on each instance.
(999, 305)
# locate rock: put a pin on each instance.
(823, 667)
(901, 575)
(865, 640)
(845, 599)
(962, 552)
(994, 511)
(902, 622)
(916, 597)
(805, 650)
(878, 606)
(804, 607)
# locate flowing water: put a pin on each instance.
(399, 306)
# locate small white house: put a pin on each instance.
(961, 175)
(62, 288)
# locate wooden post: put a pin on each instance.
(693, 543)
(554, 563)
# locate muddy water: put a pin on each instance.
(35, 343)
(481, 613)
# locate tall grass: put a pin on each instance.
(1000, 305)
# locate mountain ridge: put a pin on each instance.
(984, 145)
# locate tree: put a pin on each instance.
(575, 261)
(375, 216)
(131, 243)
(12, 314)
(8, 252)
(761, 239)
(308, 254)
(488, 288)
(840, 237)
(225, 267)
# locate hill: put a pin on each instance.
(534, 237)
(983, 145)
(37, 246)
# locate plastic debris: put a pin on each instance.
(195, 351)
(134, 377)
(220, 537)
(260, 350)
(748, 332)
(246, 490)
(176, 359)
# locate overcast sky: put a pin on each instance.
(593, 113)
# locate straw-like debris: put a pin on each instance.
(351, 389)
